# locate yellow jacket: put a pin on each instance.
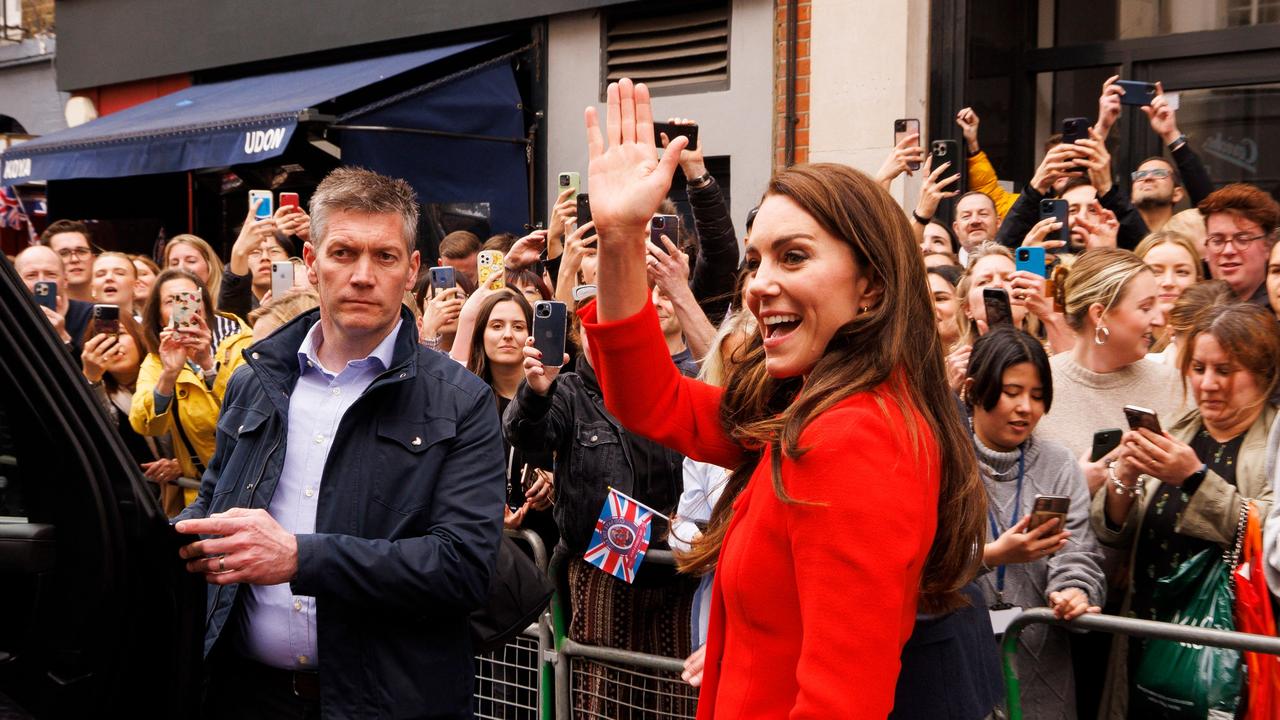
(982, 177)
(198, 405)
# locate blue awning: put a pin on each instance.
(205, 126)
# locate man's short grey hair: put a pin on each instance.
(364, 191)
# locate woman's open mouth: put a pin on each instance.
(778, 327)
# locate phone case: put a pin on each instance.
(1137, 92)
(549, 327)
(1073, 129)
(674, 131)
(570, 180)
(1031, 259)
(260, 201)
(106, 320)
(1048, 507)
(281, 278)
(1140, 417)
(660, 225)
(949, 151)
(184, 307)
(999, 312)
(584, 213)
(490, 264)
(1104, 441)
(903, 127)
(442, 278)
(46, 294)
(289, 199)
(1059, 210)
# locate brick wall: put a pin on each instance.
(37, 16)
(803, 9)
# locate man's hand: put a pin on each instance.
(539, 376)
(933, 191)
(561, 215)
(1036, 236)
(163, 470)
(249, 547)
(1164, 121)
(968, 121)
(1096, 161)
(1103, 232)
(957, 362)
(691, 161)
(293, 220)
(1061, 160)
(1108, 106)
(668, 269)
(512, 520)
(1071, 603)
(907, 151)
(58, 322)
(526, 251)
(441, 311)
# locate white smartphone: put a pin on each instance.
(281, 278)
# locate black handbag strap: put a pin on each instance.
(182, 435)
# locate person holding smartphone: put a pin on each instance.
(1008, 389)
(180, 385)
(809, 422)
(68, 317)
(1173, 494)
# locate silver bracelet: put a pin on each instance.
(1133, 491)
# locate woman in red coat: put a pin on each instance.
(845, 440)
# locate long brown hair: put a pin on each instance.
(895, 343)
(477, 360)
(151, 316)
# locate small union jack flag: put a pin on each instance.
(621, 537)
(11, 214)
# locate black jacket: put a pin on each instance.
(716, 266)
(593, 453)
(407, 526)
(236, 294)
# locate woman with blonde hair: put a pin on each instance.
(193, 254)
(1174, 260)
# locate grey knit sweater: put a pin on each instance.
(1044, 655)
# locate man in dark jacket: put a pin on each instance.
(351, 514)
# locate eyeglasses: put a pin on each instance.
(65, 253)
(275, 252)
(1241, 242)
(1157, 173)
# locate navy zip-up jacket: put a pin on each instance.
(407, 524)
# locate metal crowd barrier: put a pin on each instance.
(513, 682)
(1121, 626)
(622, 684)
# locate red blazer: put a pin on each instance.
(811, 603)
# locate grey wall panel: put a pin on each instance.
(102, 42)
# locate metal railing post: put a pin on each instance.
(1121, 626)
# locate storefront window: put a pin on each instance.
(1236, 131)
(1077, 23)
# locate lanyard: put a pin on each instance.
(1017, 509)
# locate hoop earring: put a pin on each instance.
(1101, 335)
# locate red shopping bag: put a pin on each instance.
(1253, 615)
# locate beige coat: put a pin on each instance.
(1213, 514)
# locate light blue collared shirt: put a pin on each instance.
(279, 628)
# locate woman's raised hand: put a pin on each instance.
(626, 178)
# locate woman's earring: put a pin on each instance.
(1100, 335)
(863, 309)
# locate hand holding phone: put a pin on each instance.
(105, 320)
(442, 278)
(675, 130)
(46, 294)
(549, 327)
(1049, 507)
(1136, 93)
(260, 203)
(570, 181)
(1059, 211)
(1104, 441)
(490, 266)
(281, 278)
(1140, 417)
(904, 128)
(185, 304)
(1031, 259)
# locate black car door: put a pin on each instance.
(97, 615)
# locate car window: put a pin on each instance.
(12, 506)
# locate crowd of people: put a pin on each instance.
(928, 426)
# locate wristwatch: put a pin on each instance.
(1177, 142)
(701, 181)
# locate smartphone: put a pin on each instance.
(949, 151)
(46, 294)
(1031, 259)
(1104, 441)
(289, 199)
(549, 326)
(490, 264)
(260, 201)
(1140, 417)
(185, 304)
(996, 301)
(1059, 210)
(570, 180)
(584, 213)
(281, 278)
(1136, 92)
(903, 127)
(1075, 128)
(442, 279)
(660, 225)
(1048, 507)
(674, 131)
(105, 320)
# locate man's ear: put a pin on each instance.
(309, 258)
(1178, 194)
(415, 261)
